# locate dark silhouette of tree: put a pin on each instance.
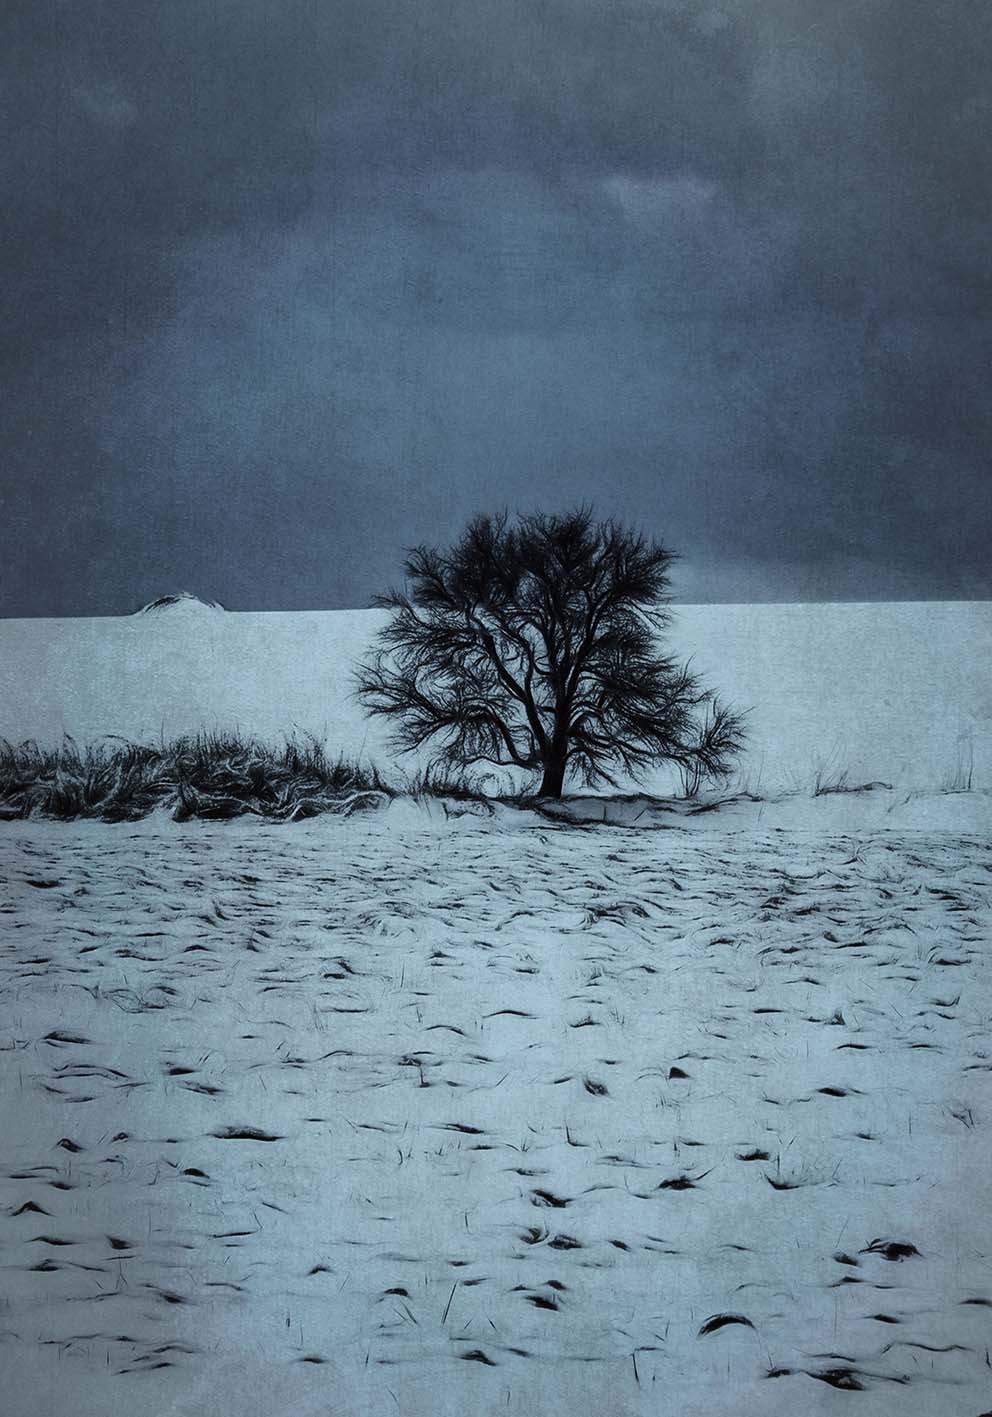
(537, 646)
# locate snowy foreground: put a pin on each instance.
(419, 1114)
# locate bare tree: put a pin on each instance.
(537, 646)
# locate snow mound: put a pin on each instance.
(182, 600)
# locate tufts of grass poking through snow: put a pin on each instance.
(209, 775)
(326, 1087)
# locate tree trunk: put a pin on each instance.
(553, 781)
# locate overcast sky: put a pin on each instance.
(289, 285)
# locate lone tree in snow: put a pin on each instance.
(537, 645)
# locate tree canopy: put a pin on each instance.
(537, 645)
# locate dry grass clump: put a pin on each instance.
(211, 775)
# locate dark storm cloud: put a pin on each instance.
(288, 286)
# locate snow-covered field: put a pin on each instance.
(474, 1115)
(899, 693)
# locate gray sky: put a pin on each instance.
(289, 286)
